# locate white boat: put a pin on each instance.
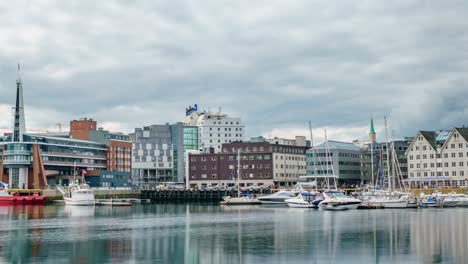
(279, 197)
(429, 201)
(305, 200)
(79, 195)
(337, 200)
(240, 200)
(386, 199)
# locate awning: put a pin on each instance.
(424, 179)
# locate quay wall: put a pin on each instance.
(190, 195)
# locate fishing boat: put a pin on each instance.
(239, 200)
(336, 200)
(78, 194)
(305, 200)
(279, 197)
(113, 202)
(17, 199)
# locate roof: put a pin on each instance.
(337, 145)
(66, 139)
(430, 136)
(372, 130)
(463, 132)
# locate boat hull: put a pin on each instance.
(22, 200)
(80, 202)
(390, 204)
(301, 205)
(340, 206)
(239, 201)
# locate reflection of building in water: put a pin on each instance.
(441, 234)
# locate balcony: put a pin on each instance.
(71, 164)
(73, 155)
(16, 162)
(17, 152)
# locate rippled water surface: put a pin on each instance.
(179, 233)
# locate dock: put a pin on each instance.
(192, 195)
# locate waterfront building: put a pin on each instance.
(337, 158)
(152, 156)
(184, 139)
(215, 128)
(438, 158)
(79, 129)
(261, 163)
(159, 153)
(119, 158)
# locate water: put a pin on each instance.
(169, 233)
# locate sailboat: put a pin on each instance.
(239, 200)
(389, 198)
(79, 194)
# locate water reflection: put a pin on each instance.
(170, 233)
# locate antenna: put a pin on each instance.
(311, 135)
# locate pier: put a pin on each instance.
(193, 195)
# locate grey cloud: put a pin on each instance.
(277, 64)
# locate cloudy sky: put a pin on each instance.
(277, 64)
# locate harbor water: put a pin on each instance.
(195, 233)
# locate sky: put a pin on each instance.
(276, 64)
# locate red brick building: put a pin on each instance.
(79, 129)
(260, 163)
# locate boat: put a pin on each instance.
(279, 197)
(17, 199)
(385, 199)
(336, 200)
(239, 200)
(305, 200)
(112, 202)
(429, 201)
(78, 194)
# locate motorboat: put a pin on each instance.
(79, 194)
(240, 200)
(429, 201)
(305, 200)
(17, 199)
(279, 197)
(337, 200)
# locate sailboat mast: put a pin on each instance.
(388, 158)
(74, 172)
(238, 172)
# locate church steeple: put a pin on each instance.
(372, 134)
(19, 126)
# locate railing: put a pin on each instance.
(62, 163)
(61, 154)
(16, 162)
(17, 152)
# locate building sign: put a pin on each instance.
(190, 109)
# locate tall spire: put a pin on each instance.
(372, 134)
(19, 126)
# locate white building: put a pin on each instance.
(439, 159)
(214, 129)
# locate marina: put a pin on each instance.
(204, 233)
